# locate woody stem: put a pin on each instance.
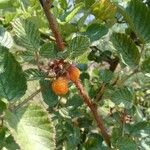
(53, 25)
(94, 111)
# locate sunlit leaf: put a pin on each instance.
(27, 34)
(12, 79)
(106, 75)
(146, 65)
(34, 74)
(123, 95)
(5, 38)
(96, 31)
(128, 50)
(104, 10)
(74, 12)
(48, 95)
(137, 14)
(48, 50)
(78, 45)
(31, 128)
(126, 143)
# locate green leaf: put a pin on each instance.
(31, 128)
(65, 112)
(94, 142)
(2, 137)
(138, 13)
(123, 95)
(96, 31)
(63, 54)
(5, 38)
(71, 28)
(48, 50)
(27, 56)
(73, 139)
(27, 34)
(139, 127)
(10, 144)
(63, 4)
(78, 45)
(84, 76)
(6, 140)
(128, 50)
(146, 65)
(2, 133)
(87, 3)
(4, 4)
(73, 12)
(126, 143)
(82, 66)
(34, 74)
(116, 134)
(106, 75)
(12, 79)
(145, 143)
(72, 134)
(48, 95)
(104, 10)
(9, 16)
(2, 106)
(74, 101)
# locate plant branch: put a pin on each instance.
(113, 65)
(45, 36)
(94, 111)
(52, 23)
(142, 50)
(119, 83)
(100, 93)
(37, 59)
(27, 99)
(1, 120)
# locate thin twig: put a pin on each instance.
(52, 23)
(1, 120)
(100, 93)
(37, 59)
(142, 50)
(28, 99)
(94, 111)
(119, 83)
(113, 65)
(45, 36)
(116, 80)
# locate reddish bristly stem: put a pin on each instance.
(94, 111)
(52, 24)
(54, 27)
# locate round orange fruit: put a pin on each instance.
(60, 86)
(74, 73)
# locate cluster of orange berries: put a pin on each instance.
(60, 84)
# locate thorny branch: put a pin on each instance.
(52, 23)
(94, 111)
(54, 27)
